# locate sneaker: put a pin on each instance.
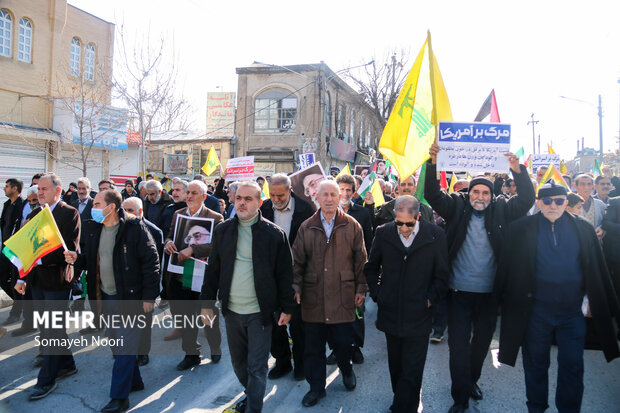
(436, 337)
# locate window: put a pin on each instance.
(24, 45)
(352, 128)
(6, 27)
(360, 140)
(276, 111)
(368, 137)
(76, 56)
(89, 63)
(328, 115)
(340, 121)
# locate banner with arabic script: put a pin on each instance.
(473, 147)
(545, 159)
(239, 169)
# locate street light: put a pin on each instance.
(600, 118)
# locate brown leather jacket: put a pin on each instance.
(328, 273)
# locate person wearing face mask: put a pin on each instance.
(476, 222)
(123, 273)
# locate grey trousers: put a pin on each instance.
(249, 342)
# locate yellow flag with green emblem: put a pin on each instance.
(421, 104)
(212, 162)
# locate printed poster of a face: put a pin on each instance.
(189, 231)
(306, 182)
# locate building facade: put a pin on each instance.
(283, 111)
(55, 60)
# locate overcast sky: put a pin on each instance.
(530, 52)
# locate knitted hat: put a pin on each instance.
(481, 180)
(550, 188)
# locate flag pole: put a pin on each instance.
(431, 58)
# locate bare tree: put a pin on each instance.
(381, 82)
(146, 82)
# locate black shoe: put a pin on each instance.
(143, 360)
(458, 408)
(331, 359)
(298, 372)
(137, 387)
(66, 372)
(11, 320)
(280, 369)
(23, 330)
(476, 393)
(436, 337)
(358, 357)
(38, 361)
(312, 397)
(349, 380)
(116, 406)
(188, 362)
(90, 330)
(215, 358)
(40, 392)
(241, 405)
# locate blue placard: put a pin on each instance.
(474, 132)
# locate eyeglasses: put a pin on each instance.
(197, 236)
(400, 224)
(558, 201)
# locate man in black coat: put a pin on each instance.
(155, 204)
(386, 213)
(261, 258)
(552, 260)
(123, 271)
(407, 274)
(611, 240)
(476, 223)
(10, 221)
(287, 211)
(50, 282)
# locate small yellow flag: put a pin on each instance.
(345, 171)
(421, 104)
(212, 162)
(265, 192)
(452, 182)
(553, 173)
(551, 151)
(469, 177)
(377, 194)
(563, 168)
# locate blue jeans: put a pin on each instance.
(126, 372)
(570, 333)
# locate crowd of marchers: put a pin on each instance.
(289, 279)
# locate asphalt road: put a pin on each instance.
(214, 387)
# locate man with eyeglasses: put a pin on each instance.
(184, 301)
(476, 223)
(410, 257)
(552, 260)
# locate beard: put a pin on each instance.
(479, 205)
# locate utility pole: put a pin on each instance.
(600, 125)
(539, 143)
(533, 123)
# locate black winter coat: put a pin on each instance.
(302, 212)
(362, 216)
(401, 282)
(517, 283)
(136, 262)
(611, 224)
(456, 210)
(272, 261)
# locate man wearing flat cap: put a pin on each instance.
(476, 223)
(552, 261)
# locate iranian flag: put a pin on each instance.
(194, 273)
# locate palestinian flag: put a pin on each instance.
(194, 273)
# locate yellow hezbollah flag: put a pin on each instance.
(265, 192)
(452, 182)
(36, 239)
(421, 104)
(212, 162)
(345, 171)
(553, 173)
(550, 149)
(377, 194)
(563, 169)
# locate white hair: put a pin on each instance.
(32, 190)
(153, 184)
(328, 182)
(84, 180)
(200, 184)
(134, 200)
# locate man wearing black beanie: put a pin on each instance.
(476, 222)
(552, 260)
